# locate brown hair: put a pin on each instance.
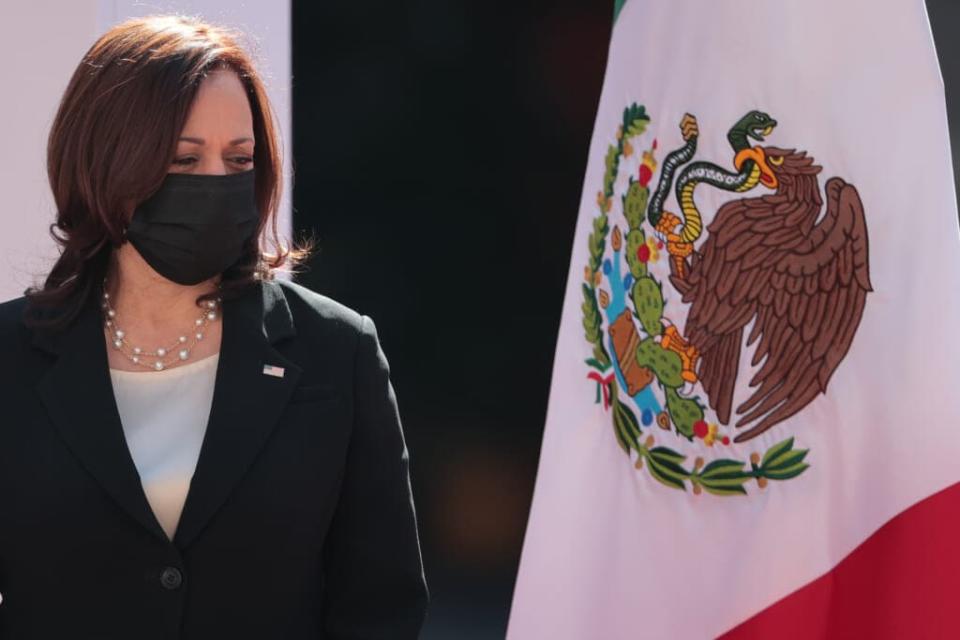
(114, 138)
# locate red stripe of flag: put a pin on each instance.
(901, 582)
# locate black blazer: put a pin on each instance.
(299, 522)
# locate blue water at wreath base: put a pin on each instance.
(645, 399)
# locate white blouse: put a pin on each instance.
(164, 416)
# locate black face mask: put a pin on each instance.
(195, 226)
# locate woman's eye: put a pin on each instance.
(242, 160)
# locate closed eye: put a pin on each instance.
(241, 160)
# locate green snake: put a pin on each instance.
(755, 124)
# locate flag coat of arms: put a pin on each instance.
(754, 427)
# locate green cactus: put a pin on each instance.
(666, 365)
(648, 304)
(635, 204)
(635, 240)
(684, 412)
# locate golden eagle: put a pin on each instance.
(802, 281)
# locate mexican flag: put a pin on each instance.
(754, 422)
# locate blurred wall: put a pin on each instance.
(42, 42)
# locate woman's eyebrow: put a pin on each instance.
(202, 141)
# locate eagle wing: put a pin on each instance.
(727, 276)
(807, 317)
(806, 292)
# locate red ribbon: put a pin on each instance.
(605, 382)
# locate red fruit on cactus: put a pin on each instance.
(643, 253)
(700, 429)
(645, 175)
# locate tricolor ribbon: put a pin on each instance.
(603, 383)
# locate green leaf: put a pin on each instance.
(596, 242)
(787, 473)
(591, 325)
(626, 421)
(726, 480)
(721, 467)
(669, 468)
(786, 459)
(724, 477)
(636, 127)
(634, 112)
(664, 453)
(624, 437)
(612, 162)
(737, 490)
(776, 450)
(596, 364)
(665, 476)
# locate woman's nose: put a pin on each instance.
(213, 166)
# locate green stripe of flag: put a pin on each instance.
(617, 6)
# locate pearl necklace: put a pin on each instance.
(135, 354)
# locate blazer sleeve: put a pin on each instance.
(374, 582)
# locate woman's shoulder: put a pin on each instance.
(315, 312)
(11, 308)
(11, 320)
(323, 324)
(15, 344)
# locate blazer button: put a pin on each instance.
(171, 577)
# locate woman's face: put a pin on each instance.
(218, 135)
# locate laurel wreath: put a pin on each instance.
(722, 477)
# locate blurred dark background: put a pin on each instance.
(439, 149)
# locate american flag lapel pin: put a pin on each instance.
(270, 370)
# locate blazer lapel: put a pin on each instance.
(247, 403)
(78, 394)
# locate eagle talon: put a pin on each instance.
(679, 252)
(673, 341)
(676, 247)
(667, 223)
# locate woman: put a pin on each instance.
(191, 447)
